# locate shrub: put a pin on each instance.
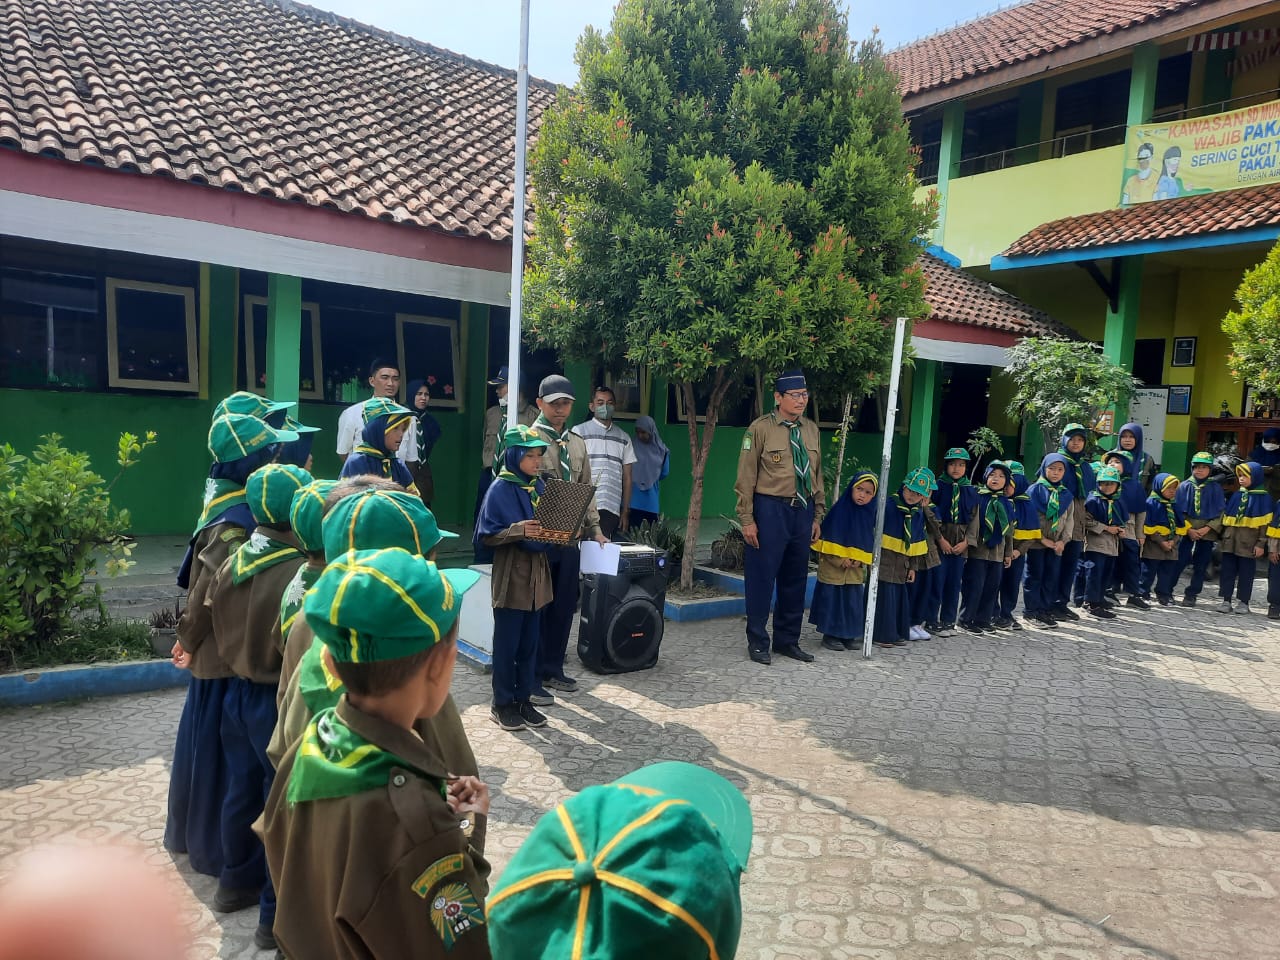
(57, 524)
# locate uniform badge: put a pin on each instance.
(746, 441)
(258, 541)
(454, 911)
(437, 872)
(295, 591)
(210, 491)
(776, 458)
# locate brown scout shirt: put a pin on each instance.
(1097, 540)
(195, 627)
(521, 578)
(494, 419)
(371, 876)
(980, 551)
(245, 615)
(765, 465)
(579, 471)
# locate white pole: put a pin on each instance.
(517, 222)
(890, 421)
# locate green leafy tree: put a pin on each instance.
(1064, 381)
(1254, 330)
(728, 190)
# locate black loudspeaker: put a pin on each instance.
(621, 624)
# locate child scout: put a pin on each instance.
(385, 425)
(647, 866)
(367, 834)
(1203, 504)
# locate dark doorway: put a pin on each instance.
(1148, 361)
(965, 397)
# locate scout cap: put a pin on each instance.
(374, 519)
(1016, 468)
(306, 514)
(270, 489)
(385, 407)
(1109, 474)
(252, 405)
(647, 866)
(1079, 428)
(500, 377)
(234, 436)
(1204, 456)
(291, 423)
(555, 387)
(920, 481)
(957, 453)
(372, 605)
(522, 436)
(790, 380)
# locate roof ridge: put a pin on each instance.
(399, 39)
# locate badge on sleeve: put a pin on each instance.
(455, 911)
(746, 440)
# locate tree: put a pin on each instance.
(1254, 330)
(727, 190)
(1064, 381)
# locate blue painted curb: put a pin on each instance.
(691, 610)
(736, 582)
(98, 680)
(475, 655)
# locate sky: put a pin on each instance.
(490, 29)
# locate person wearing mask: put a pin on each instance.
(426, 431)
(653, 463)
(1267, 455)
(612, 457)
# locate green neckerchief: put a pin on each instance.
(955, 497)
(219, 496)
(381, 455)
(1244, 500)
(530, 487)
(259, 553)
(1053, 506)
(1111, 507)
(1077, 463)
(994, 516)
(1170, 517)
(320, 688)
(1197, 486)
(335, 761)
(799, 459)
(560, 439)
(291, 601)
(907, 512)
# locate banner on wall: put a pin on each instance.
(1182, 158)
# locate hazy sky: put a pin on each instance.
(490, 29)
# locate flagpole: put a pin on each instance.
(517, 222)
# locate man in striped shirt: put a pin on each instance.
(611, 454)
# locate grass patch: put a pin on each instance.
(91, 640)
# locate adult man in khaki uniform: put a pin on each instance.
(780, 506)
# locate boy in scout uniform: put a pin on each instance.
(368, 836)
(780, 507)
(1203, 504)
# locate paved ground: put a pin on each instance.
(1096, 793)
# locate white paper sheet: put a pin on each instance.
(600, 558)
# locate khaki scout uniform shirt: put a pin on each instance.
(494, 418)
(765, 465)
(980, 551)
(377, 875)
(579, 471)
(521, 578)
(195, 627)
(245, 614)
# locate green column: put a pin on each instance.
(579, 374)
(1030, 113)
(224, 293)
(1142, 83)
(924, 396)
(284, 337)
(474, 344)
(1217, 82)
(948, 160)
(1122, 323)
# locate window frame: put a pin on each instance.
(251, 300)
(643, 381)
(192, 383)
(455, 402)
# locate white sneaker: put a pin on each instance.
(1224, 606)
(920, 633)
(1243, 609)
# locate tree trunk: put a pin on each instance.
(844, 436)
(699, 451)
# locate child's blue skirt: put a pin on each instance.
(839, 610)
(893, 613)
(198, 780)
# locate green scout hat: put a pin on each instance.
(646, 866)
(1109, 474)
(383, 407)
(374, 519)
(291, 423)
(236, 435)
(270, 489)
(372, 605)
(921, 481)
(522, 436)
(957, 453)
(251, 405)
(306, 514)
(1204, 456)
(1016, 468)
(1079, 428)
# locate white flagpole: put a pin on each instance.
(886, 455)
(517, 222)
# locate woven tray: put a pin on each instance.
(561, 509)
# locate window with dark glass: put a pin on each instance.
(151, 336)
(51, 334)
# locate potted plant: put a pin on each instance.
(164, 630)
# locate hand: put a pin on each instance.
(181, 659)
(468, 795)
(751, 534)
(946, 546)
(846, 563)
(1166, 546)
(624, 521)
(1142, 542)
(1017, 554)
(1258, 551)
(1008, 562)
(1275, 558)
(1057, 547)
(816, 533)
(856, 564)
(1194, 534)
(601, 539)
(911, 576)
(962, 547)
(532, 528)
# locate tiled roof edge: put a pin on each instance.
(942, 31)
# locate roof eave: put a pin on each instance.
(1263, 234)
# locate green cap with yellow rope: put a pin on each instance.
(234, 436)
(1204, 456)
(269, 492)
(385, 407)
(306, 514)
(251, 405)
(373, 519)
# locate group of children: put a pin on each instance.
(955, 553)
(322, 772)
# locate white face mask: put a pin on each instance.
(1270, 446)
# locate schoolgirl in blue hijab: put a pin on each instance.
(385, 423)
(1128, 570)
(1052, 501)
(1026, 527)
(845, 549)
(1165, 523)
(1249, 512)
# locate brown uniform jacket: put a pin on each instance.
(1151, 549)
(494, 419)
(765, 465)
(370, 876)
(1065, 532)
(1096, 539)
(245, 615)
(1242, 540)
(980, 551)
(521, 578)
(195, 627)
(934, 530)
(579, 471)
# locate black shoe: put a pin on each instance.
(932, 626)
(530, 715)
(264, 938)
(1188, 601)
(1273, 611)
(899, 643)
(507, 717)
(853, 644)
(1044, 619)
(1014, 624)
(227, 900)
(1101, 612)
(1109, 603)
(1111, 595)
(760, 656)
(831, 643)
(882, 643)
(794, 651)
(1136, 601)
(1164, 599)
(1064, 612)
(1002, 623)
(562, 683)
(972, 629)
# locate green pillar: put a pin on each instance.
(1122, 323)
(948, 160)
(284, 337)
(1217, 82)
(924, 405)
(1030, 114)
(579, 374)
(474, 345)
(1142, 83)
(224, 294)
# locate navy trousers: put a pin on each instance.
(951, 582)
(981, 590)
(1040, 590)
(1128, 573)
(198, 779)
(515, 654)
(248, 720)
(1273, 584)
(1099, 567)
(1160, 574)
(1197, 553)
(924, 595)
(782, 561)
(557, 616)
(1069, 567)
(1237, 577)
(1011, 586)
(893, 613)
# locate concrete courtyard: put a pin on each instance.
(1103, 791)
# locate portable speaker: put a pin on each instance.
(621, 624)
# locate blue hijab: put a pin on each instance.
(1164, 515)
(904, 530)
(1051, 499)
(996, 509)
(238, 513)
(1251, 505)
(1079, 478)
(1201, 498)
(955, 500)
(1025, 517)
(510, 499)
(849, 530)
(371, 456)
(1107, 509)
(1132, 493)
(1260, 455)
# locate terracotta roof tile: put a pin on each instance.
(1208, 213)
(266, 96)
(955, 296)
(1018, 33)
